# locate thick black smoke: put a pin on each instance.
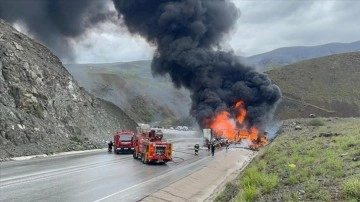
(53, 22)
(187, 34)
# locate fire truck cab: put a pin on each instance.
(123, 142)
(150, 146)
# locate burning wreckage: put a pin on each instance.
(232, 99)
(235, 128)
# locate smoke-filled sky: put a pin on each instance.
(188, 36)
(263, 25)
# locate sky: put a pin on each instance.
(263, 25)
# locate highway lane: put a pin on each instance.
(97, 176)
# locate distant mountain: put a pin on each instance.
(326, 86)
(288, 55)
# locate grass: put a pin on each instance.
(351, 188)
(315, 122)
(304, 166)
(232, 190)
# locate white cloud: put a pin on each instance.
(105, 47)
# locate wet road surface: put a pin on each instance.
(98, 176)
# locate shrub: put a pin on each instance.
(270, 182)
(75, 139)
(315, 122)
(250, 192)
(351, 188)
(260, 181)
(37, 110)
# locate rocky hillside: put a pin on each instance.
(42, 108)
(131, 86)
(327, 86)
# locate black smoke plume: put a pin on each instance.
(187, 34)
(53, 22)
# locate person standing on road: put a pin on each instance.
(227, 145)
(196, 148)
(110, 145)
(212, 149)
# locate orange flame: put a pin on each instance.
(241, 111)
(223, 125)
(235, 128)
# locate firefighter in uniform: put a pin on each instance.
(196, 148)
(212, 148)
(110, 145)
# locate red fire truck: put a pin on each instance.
(150, 146)
(123, 141)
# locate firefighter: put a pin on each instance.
(208, 145)
(212, 148)
(196, 148)
(110, 145)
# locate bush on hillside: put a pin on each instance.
(351, 188)
(316, 122)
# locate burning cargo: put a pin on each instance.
(188, 35)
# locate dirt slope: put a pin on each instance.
(327, 86)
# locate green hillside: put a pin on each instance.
(321, 162)
(327, 86)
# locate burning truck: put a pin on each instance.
(232, 125)
(227, 96)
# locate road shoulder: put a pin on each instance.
(206, 183)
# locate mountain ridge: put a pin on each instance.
(287, 55)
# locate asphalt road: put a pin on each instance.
(97, 176)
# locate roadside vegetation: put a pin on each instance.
(321, 162)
